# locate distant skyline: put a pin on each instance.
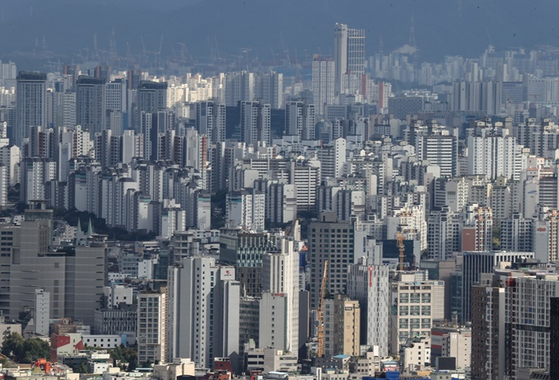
(35, 31)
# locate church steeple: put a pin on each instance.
(90, 231)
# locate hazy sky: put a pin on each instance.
(442, 27)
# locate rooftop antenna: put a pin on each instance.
(412, 41)
(95, 52)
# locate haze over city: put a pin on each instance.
(279, 190)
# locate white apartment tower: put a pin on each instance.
(203, 310)
(323, 71)
(152, 323)
(369, 284)
(41, 313)
(280, 285)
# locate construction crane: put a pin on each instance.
(400, 239)
(320, 313)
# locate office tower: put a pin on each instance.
(404, 106)
(476, 263)
(41, 311)
(203, 310)
(420, 303)
(332, 241)
(210, 120)
(116, 106)
(341, 326)
(269, 88)
(280, 285)
(554, 335)
(323, 77)
(91, 103)
(349, 55)
(31, 103)
(152, 327)
(300, 119)
(152, 98)
(255, 123)
(244, 250)
(369, 284)
(74, 278)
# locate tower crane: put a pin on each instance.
(400, 239)
(320, 313)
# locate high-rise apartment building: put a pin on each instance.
(210, 120)
(323, 77)
(203, 310)
(279, 328)
(152, 327)
(269, 88)
(494, 152)
(255, 122)
(31, 103)
(342, 320)
(91, 103)
(300, 119)
(476, 263)
(369, 284)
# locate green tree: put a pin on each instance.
(13, 346)
(34, 349)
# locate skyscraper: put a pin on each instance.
(152, 97)
(31, 103)
(349, 55)
(323, 78)
(203, 310)
(280, 276)
(476, 263)
(332, 241)
(91, 103)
